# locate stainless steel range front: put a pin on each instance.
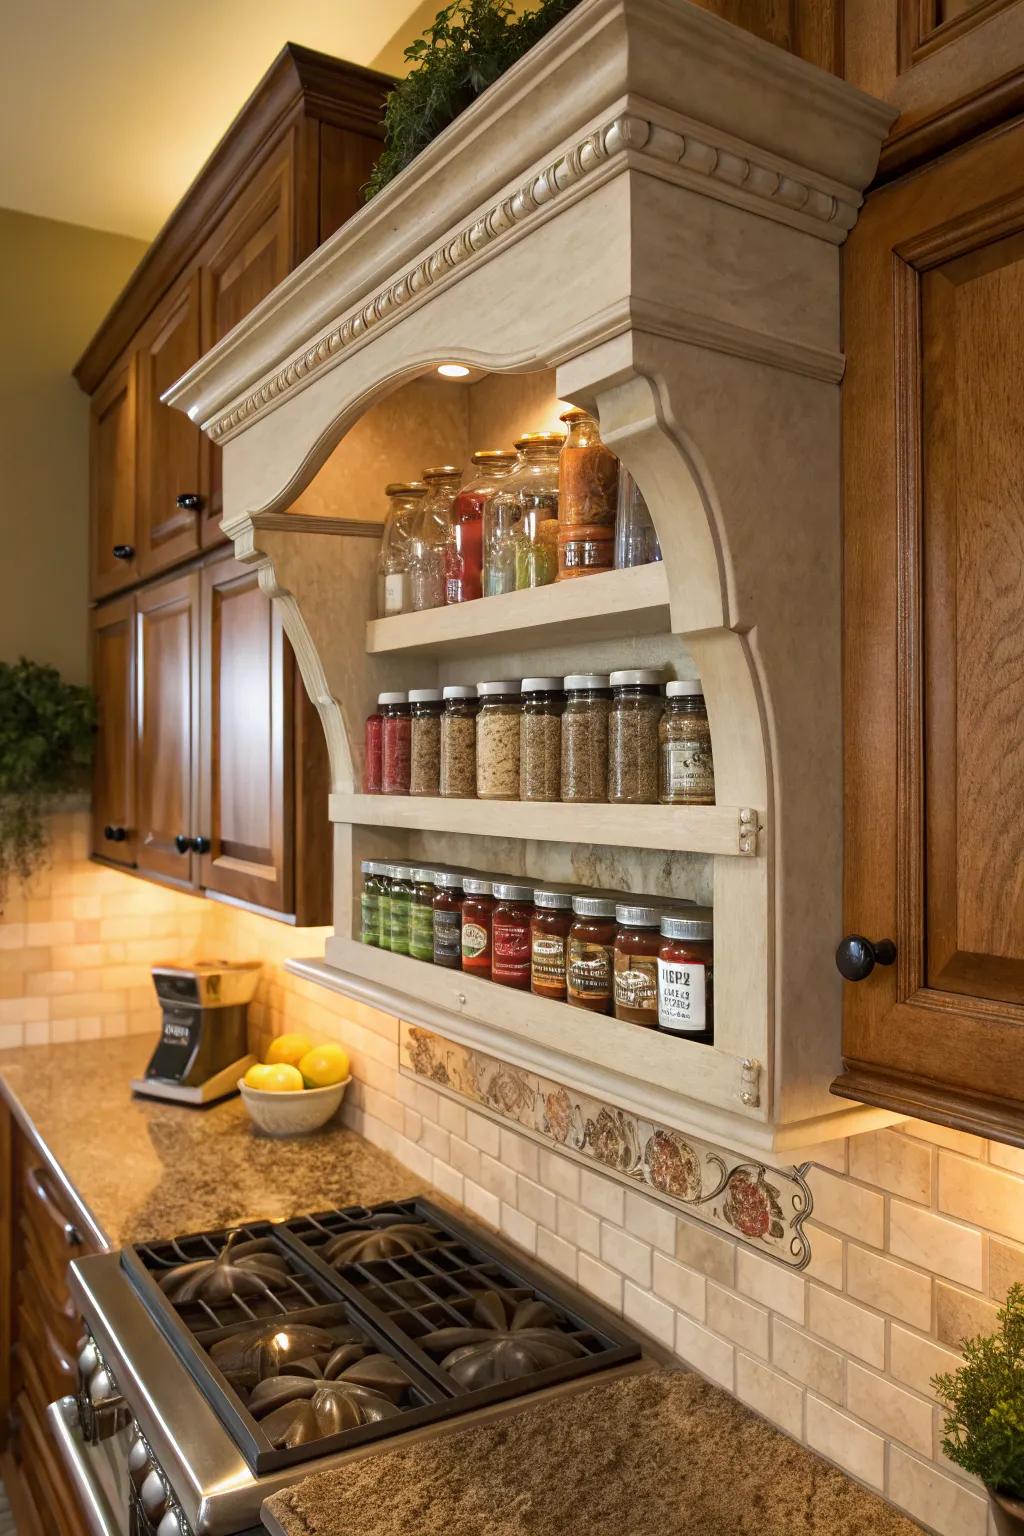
(221, 1366)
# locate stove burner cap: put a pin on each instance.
(389, 1238)
(297, 1409)
(504, 1340)
(240, 1269)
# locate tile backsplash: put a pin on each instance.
(915, 1231)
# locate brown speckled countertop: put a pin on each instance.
(145, 1169)
(665, 1454)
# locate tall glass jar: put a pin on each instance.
(497, 741)
(404, 501)
(384, 906)
(399, 908)
(686, 993)
(588, 700)
(540, 738)
(549, 938)
(477, 911)
(633, 737)
(373, 753)
(590, 955)
(588, 473)
(369, 902)
(394, 708)
(425, 707)
(458, 742)
(464, 554)
(637, 941)
(636, 542)
(510, 928)
(520, 549)
(447, 919)
(430, 538)
(421, 914)
(687, 769)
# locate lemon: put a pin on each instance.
(255, 1076)
(324, 1066)
(288, 1048)
(281, 1077)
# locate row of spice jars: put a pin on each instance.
(590, 737)
(645, 964)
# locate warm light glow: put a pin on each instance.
(281, 1340)
(452, 371)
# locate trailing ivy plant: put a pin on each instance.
(985, 1403)
(470, 44)
(46, 737)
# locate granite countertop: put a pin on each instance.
(143, 1169)
(665, 1454)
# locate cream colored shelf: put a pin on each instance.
(715, 829)
(605, 607)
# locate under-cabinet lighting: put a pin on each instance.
(452, 370)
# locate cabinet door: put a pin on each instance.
(113, 681)
(112, 482)
(249, 253)
(167, 651)
(172, 492)
(934, 645)
(246, 785)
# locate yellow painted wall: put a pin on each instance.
(57, 281)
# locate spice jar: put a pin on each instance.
(464, 552)
(584, 775)
(425, 707)
(477, 911)
(636, 542)
(404, 501)
(686, 978)
(396, 733)
(384, 907)
(510, 934)
(585, 548)
(540, 738)
(633, 737)
(369, 902)
(430, 538)
(549, 936)
(373, 753)
(447, 932)
(686, 768)
(421, 918)
(497, 741)
(521, 519)
(637, 941)
(588, 473)
(458, 743)
(590, 957)
(399, 908)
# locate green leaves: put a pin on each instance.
(985, 1403)
(469, 45)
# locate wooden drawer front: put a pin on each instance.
(46, 1367)
(49, 1291)
(42, 1474)
(47, 1213)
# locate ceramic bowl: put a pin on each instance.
(291, 1114)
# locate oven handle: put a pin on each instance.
(65, 1428)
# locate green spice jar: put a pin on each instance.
(399, 908)
(421, 915)
(369, 902)
(384, 907)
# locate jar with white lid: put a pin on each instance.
(687, 770)
(397, 740)
(497, 740)
(425, 707)
(633, 736)
(584, 737)
(540, 738)
(458, 742)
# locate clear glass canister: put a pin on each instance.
(497, 741)
(430, 538)
(397, 735)
(540, 738)
(369, 902)
(425, 708)
(421, 914)
(687, 769)
(458, 742)
(636, 542)
(517, 539)
(633, 737)
(588, 700)
(404, 501)
(588, 473)
(464, 555)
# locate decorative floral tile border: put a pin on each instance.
(765, 1207)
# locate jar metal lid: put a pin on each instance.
(476, 885)
(540, 440)
(459, 691)
(511, 890)
(685, 688)
(648, 677)
(392, 698)
(553, 896)
(587, 680)
(441, 471)
(399, 871)
(424, 695)
(448, 879)
(687, 927)
(500, 686)
(637, 917)
(594, 906)
(405, 488)
(424, 876)
(373, 867)
(542, 685)
(493, 456)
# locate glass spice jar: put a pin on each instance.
(477, 912)
(540, 738)
(457, 779)
(584, 549)
(510, 934)
(686, 768)
(399, 908)
(584, 770)
(373, 753)
(404, 501)
(447, 932)
(397, 736)
(588, 473)
(521, 519)
(686, 1003)
(429, 539)
(421, 917)
(549, 936)
(425, 707)
(369, 902)
(636, 542)
(497, 741)
(637, 941)
(384, 907)
(590, 957)
(464, 552)
(633, 737)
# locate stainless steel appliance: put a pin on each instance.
(203, 1046)
(222, 1366)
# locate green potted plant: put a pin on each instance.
(46, 737)
(984, 1402)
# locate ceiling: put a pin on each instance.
(108, 108)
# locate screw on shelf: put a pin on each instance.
(750, 1075)
(749, 827)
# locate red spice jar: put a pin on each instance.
(686, 999)
(477, 912)
(397, 743)
(447, 913)
(549, 936)
(373, 753)
(464, 550)
(510, 930)
(590, 961)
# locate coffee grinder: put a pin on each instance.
(203, 1045)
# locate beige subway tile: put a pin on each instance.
(520, 1154)
(63, 1031)
(23, 961)
(413, 1122)
(482, 1203)
(426, 1100)
(705, 1351)
(436, 1140)
(537, 1203)
(914, 1360)
(896, 1412)
(960, 1316)
(12, 935)
(579, 1227)
(49, 983)
(37, 1032)
(808, 1361)
(602, 1196)
(453, 1116)
(944, 1136)
(88, 1029)
(893, 1162)
(743, 1322)
(847, 1207)
(627, 1254)
(600, 1281)
(14, 985)
(890, 1286)
(518, 1227)
(11, 1036)
(652, 1222)
(933, 1242)
(482, 1133)
(714, 1256)
(559, 1175)
(464, 1158)
(383, 1107)
(50, 933)
(981, 1194)
(501, 1181)
(773, 1284)
(826, 1261)
(1010, 1158)
(557, 1252)
(649, 1314)
(857, 1450)
(445, 1178)
(114, 1026)
(770, 1394)
(1005, 1266)
(25, 1010)
(946, 1506)
(847, 1325)
(683, 1287)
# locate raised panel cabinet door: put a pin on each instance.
(172, 489)
(167, 662)
(934, 643)
(112, 562)
(113, 681)
(246, 783)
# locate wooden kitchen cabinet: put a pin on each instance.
(114, 685)
(167, 741)
(934, 649)
(112, 449)
(172, 465)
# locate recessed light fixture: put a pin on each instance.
(452, 371)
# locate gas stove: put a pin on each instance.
(221, 1366)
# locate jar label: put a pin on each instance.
(394, 593)
(681, 997)
(399, 925)
(548, 960)
(421, 932)
(510, 958)
(475, 940)
(447, 939)
(688, 772)
(589, 972)
(636, 983)
(369, 908)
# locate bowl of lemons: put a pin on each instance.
(297, 1088)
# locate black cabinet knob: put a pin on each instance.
(108, 833)
(200, 845)
(123, 551)
(856, 956)
(119, 834)
(189, 501)
(182, 843)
